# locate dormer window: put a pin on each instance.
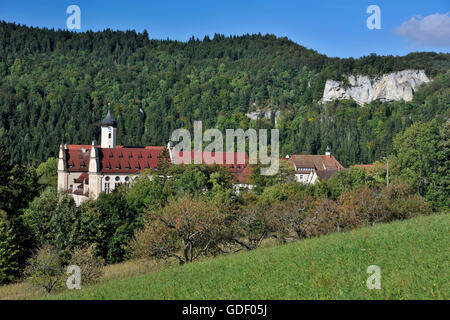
(130, 156)
(121, 155)
(111, 155)
(149, 155)
(140, 156)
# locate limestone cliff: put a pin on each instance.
(389, 87)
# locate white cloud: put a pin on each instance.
(433, 30)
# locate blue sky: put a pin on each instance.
(333, 27)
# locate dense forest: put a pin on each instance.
(56, 85)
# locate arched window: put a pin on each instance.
(109, 135)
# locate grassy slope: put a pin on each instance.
(413, 256)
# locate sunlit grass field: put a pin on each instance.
(413, 256)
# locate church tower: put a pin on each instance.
(109, 131)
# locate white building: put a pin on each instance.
(310, 169)
(85, 171)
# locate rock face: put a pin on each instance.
(389, 87)
(259, 114)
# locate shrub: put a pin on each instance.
(45, 268)
(91, 266)
(362, 206)
(409, 207)
(109, 223)
(324, 218)
(185, 229)
(404, 203)
(346, 180)
(294, 216)
(53, 218)
(252, 224)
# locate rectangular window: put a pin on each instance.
(107, 187)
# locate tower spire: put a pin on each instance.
(109, 131)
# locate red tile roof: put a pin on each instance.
(129, 160)
(82, 177)
(318, 162)
(77, 159)
(238, 166)
(325, 166)
(113, 160)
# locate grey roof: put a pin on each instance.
(109, 120)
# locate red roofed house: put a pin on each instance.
(310, 169)
(87, 170)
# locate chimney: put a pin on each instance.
(328, 151)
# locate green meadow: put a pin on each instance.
(413, 256)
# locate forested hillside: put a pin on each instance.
(55, 86)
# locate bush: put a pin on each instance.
(45, 269)
(185, 229)
(253, 223)
(109, 223)
(346, 180)
(53, 218)
(404, 203)
(90, 264)
(362, 206)
(294, 216)
(409, 207)
(324, 218)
